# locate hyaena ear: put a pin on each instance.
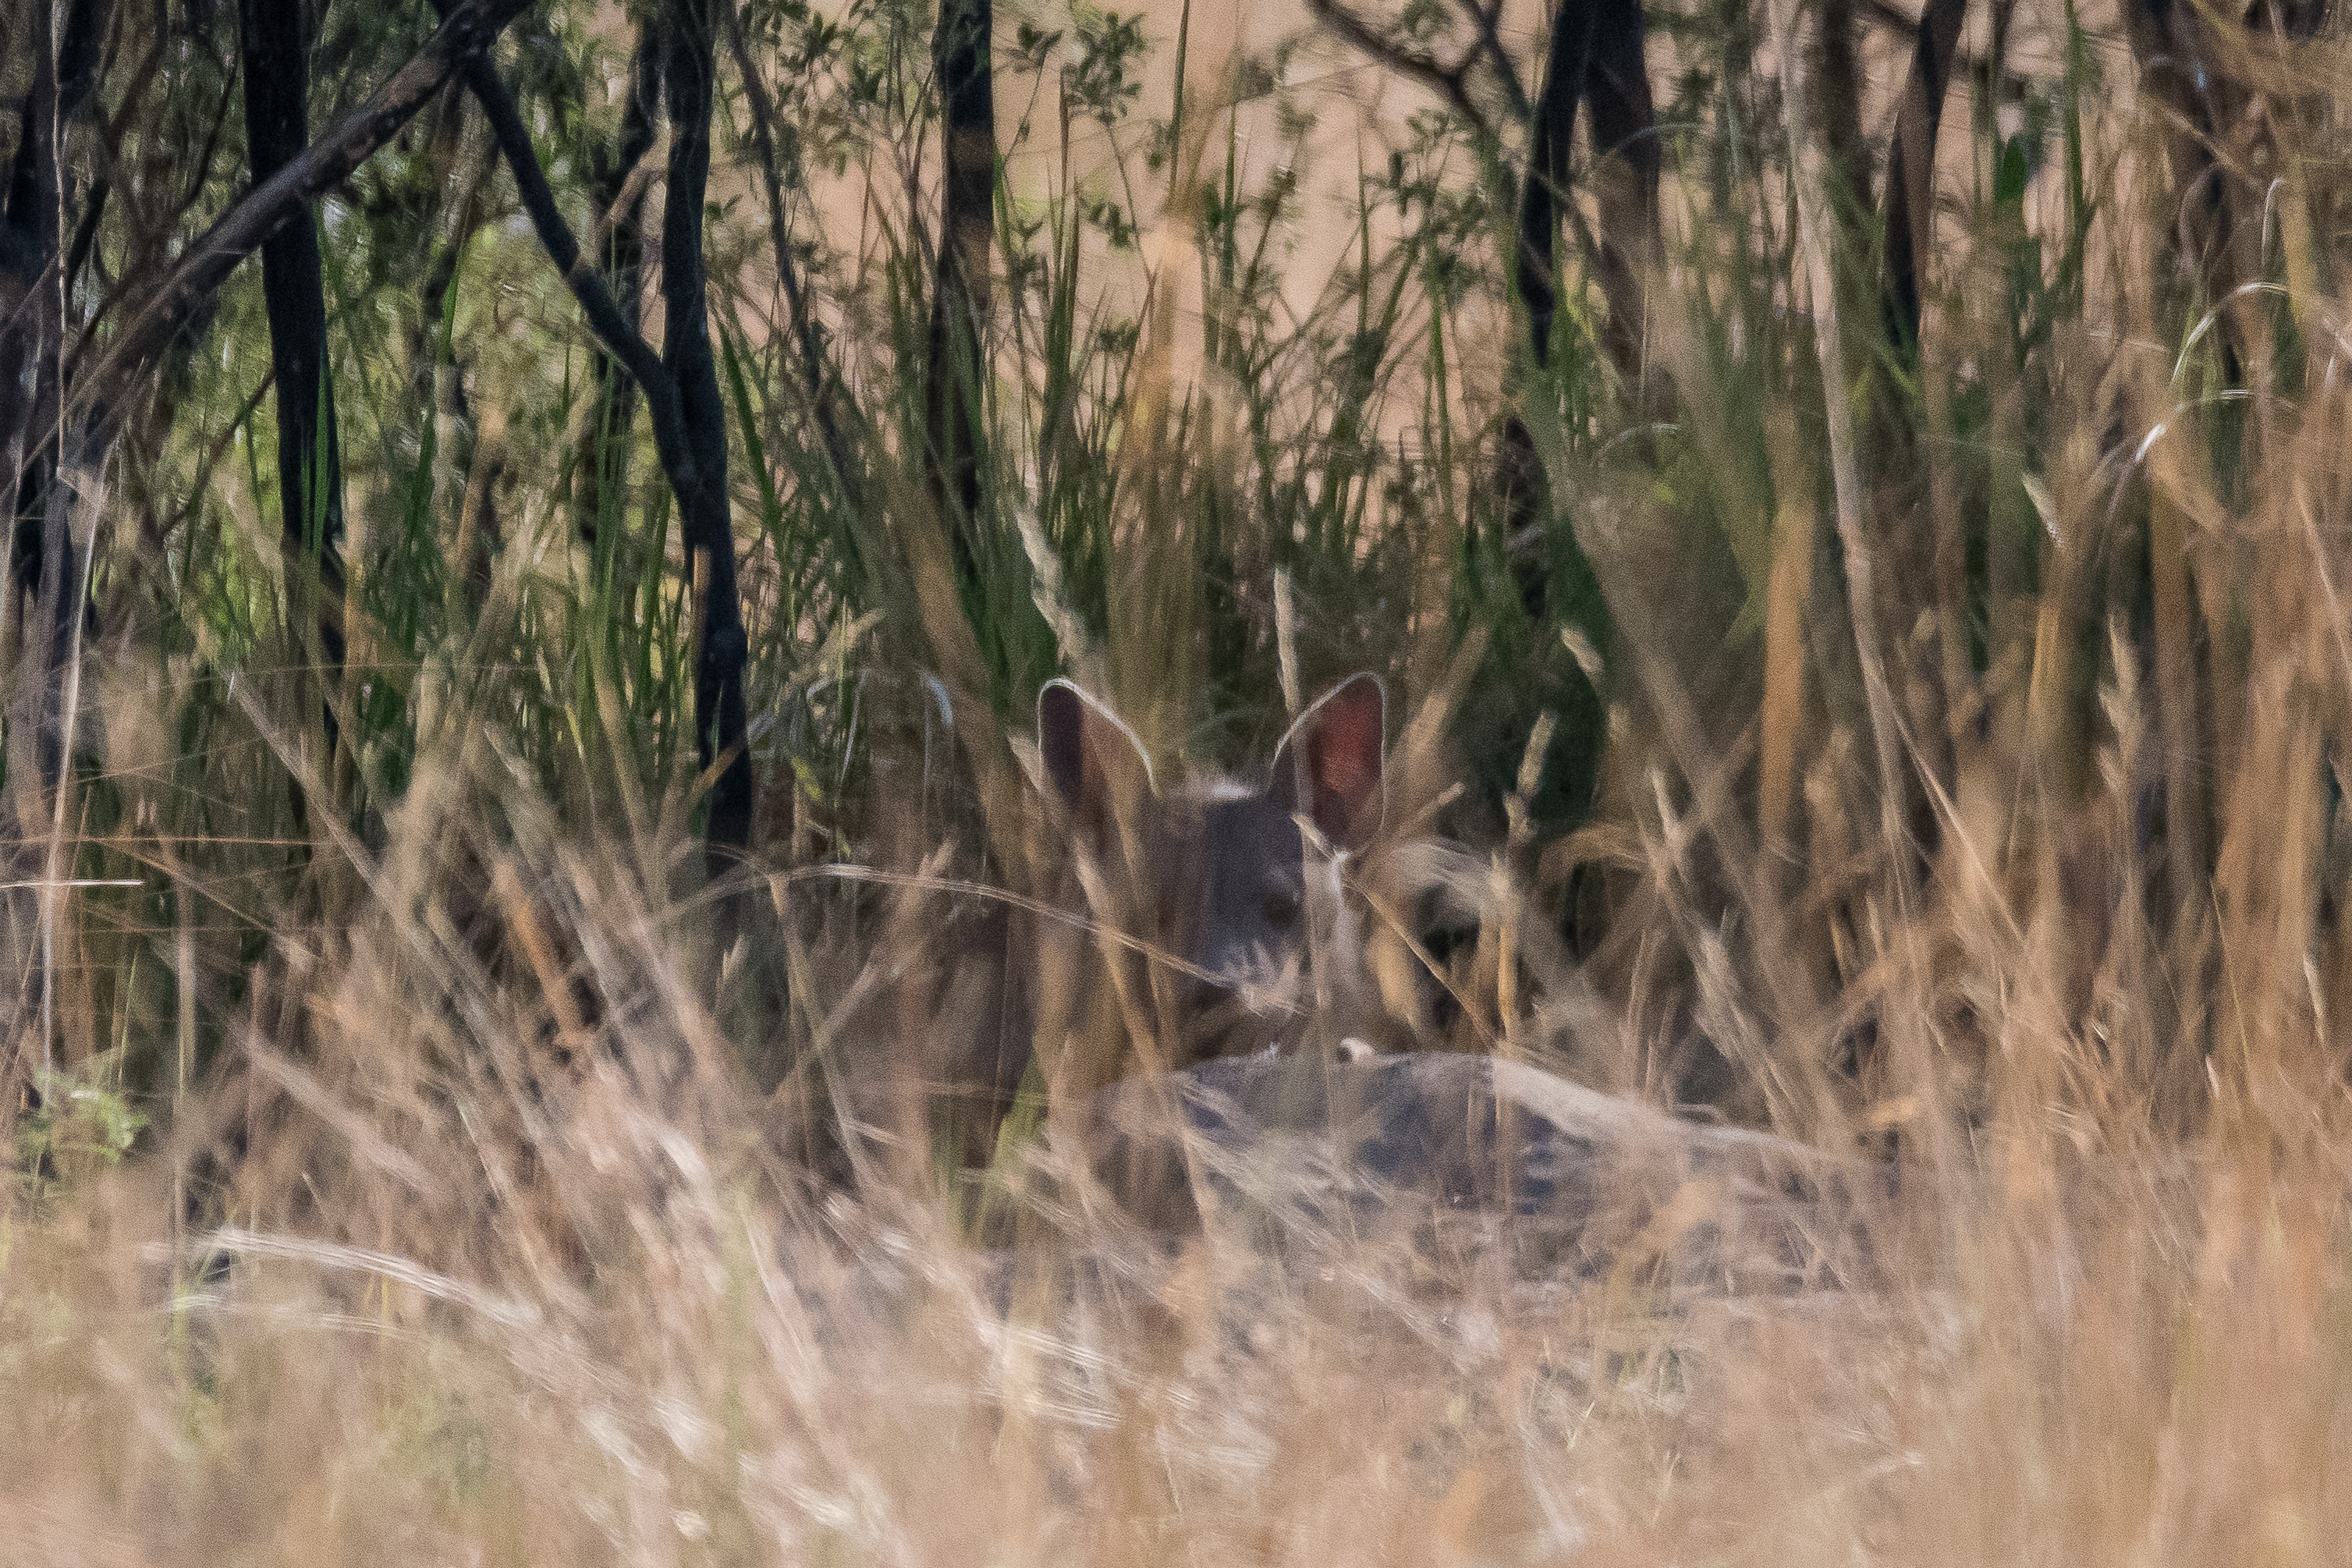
(1335, 748)
(1095, 766)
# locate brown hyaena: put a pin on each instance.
(1215, 917)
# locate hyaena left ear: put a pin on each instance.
(1094, 764)
(1335, 751)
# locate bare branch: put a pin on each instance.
(1450, 82)
(580, 274)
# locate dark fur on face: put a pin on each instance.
(1216, 875)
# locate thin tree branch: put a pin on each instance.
(580, 274)
(815, 374)
(721, 646)
(1909, 204)
(681, 395)
(1489, 19)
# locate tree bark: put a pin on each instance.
(1837, 114)
(30, 324)
(275, 47)
(681, 390)
(88, 397)
(32, 318)
(1596, 53)
(1597, 49)
(38, 500)
(1909, 207)
(600, 467)
(1621, 121)
(2187, 58)
(961, 62)
(47, 566)
(722, 648)
(1545, 187)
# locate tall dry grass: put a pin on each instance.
(505, 1260)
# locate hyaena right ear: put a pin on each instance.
(1335, 751)
(1095, 766)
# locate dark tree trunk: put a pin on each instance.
(1622, 123)
(1535, 263)
(1910, 199)
(46, 564)
(31, 324)
(1596, 52)
(277, 52)
(600, 467)
(722, 648)
(2193, 62)
(1545, 188)
(680, 386)
(959, 298)
(1837, 115)
(30, 327)
(2177, 70)
(39, 501)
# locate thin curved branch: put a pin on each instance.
(815, 377)
(681, 387)
(579, 273)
